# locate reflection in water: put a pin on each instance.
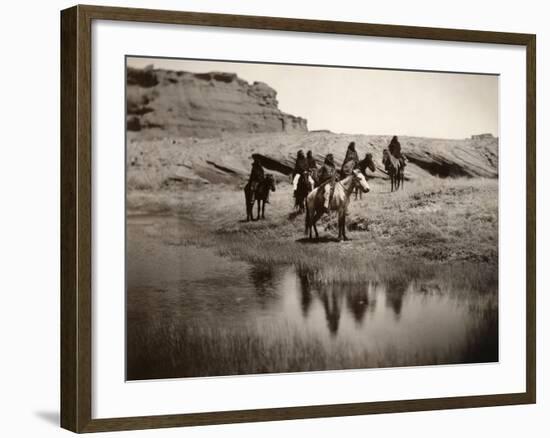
(395, 291)
(217, 310)
(262, 278)
(305, 293)
(332, 296)
(359, 302)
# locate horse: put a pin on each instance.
(366, 163)
(340, 199)
(395, 168)
(258, 191)
(304, 187)
(262, 193)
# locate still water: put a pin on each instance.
(177, 292)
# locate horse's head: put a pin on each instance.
(304, 183)
(360, 180)
(370, 162)
(270, 181)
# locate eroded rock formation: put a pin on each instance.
(183, 104)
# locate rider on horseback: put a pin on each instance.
(256, 174)
(350, 161)
(395, 149)
(327, 177)
(303, 167)
(311, 163)
(299, 168)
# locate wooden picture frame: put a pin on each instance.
(76, 217)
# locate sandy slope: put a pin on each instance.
(169, 162)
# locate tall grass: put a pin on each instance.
(190, 349)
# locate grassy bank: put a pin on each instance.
(433, 224)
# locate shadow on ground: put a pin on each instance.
(321, 239)
(51, 417)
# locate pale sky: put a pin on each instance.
(368, 101)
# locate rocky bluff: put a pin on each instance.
(178, 103)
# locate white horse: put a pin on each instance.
(339, 202)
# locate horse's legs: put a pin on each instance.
(342, 226)
(340, 232)
(313, 224)
(246, 204)
(263, 209)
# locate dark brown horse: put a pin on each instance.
(395, 169)
(303, 188)
(364, 164)
(258, 192)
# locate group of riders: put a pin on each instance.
(326, 176)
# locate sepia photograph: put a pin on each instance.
(285, 218)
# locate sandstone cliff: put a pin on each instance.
(164, 103)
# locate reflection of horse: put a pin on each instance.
(358, 302)
(303, 188)
(305, 292)
(395, 168)
(395, 292)
(339, 202)
(258, 191)
(332, 298)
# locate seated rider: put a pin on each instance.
(312, 167)
(299, 168)
(311, 163)
(327, 175)
(395, 149)
(350, 161)
(256, 174)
